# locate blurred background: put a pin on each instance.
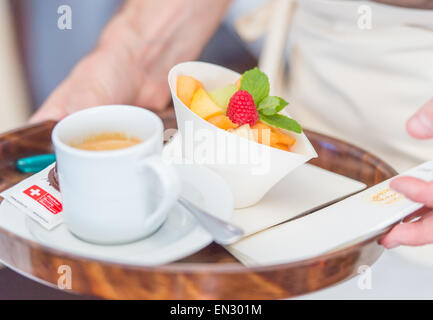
(36, 55)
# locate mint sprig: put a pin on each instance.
(256, 83)
(271, 105)
(281, 121)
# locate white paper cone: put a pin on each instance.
(249, 168)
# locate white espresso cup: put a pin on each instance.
(114, 196)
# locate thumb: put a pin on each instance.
(420, 125)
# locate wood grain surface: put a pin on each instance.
(209, 274)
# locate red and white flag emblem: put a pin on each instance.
(44, 198)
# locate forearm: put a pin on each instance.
(134, 54)
(152, 36)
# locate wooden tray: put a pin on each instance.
(211, 273)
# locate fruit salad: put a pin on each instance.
(244, 108)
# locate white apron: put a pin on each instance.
(362, 85)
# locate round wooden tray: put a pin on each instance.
(212, 273)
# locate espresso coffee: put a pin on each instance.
(106, 141)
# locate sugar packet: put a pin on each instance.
(39, 197)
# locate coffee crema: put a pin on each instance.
(106, 141)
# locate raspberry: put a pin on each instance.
(241, 109)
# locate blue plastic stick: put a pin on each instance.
(35, 164)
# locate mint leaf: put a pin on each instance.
(282, 105)
(256, 83)
(272, 105)
(281, 121)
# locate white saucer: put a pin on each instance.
(177, 238)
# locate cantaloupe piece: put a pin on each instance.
(265, 134)
(203, 105)
(280, 146)
(277, 138)
(284, 138)
(222, 122)
(186, 87)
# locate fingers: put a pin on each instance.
(414, 189)
(99, 79)
(68, 98)
(417, 214)
(48, 112)
(420, 125)
(153, 95)
(419, 232)
(410, 234)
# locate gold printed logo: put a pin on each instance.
(386, 196)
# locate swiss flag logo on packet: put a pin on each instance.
(44, 198)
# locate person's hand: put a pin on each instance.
(420, 232)
(102, 78)
(135, 52)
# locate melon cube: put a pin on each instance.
(203, 105)
(186, 88)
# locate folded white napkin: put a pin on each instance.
(340, 224)
(303, 190)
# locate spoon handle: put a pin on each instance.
(223, 233)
